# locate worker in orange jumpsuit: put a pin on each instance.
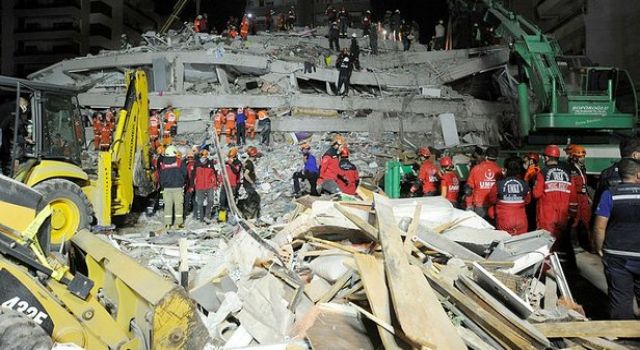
(481, 180)
(250, 123)
(449, 181)
(105, 136)
(97, 130)
(509, 198)
(531, 161)
(218, 121)
(427, 175)
(580, 209)
(233, 32)
(197, 24)
(170, 125)
(348, 176)
(230, 127)
(154, 129)
(244, 28)
(554, 192)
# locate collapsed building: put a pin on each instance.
(293, 75)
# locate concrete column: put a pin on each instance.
(376, 127)
(178, 79)
(223, 78)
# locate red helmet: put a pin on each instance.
(424, 152)
(552, 151)
(533, 156)
(252, 151)
(446, 162)
(344, 152)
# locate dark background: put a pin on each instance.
(425, 12)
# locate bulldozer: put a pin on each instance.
(47, 145)
(95, 296)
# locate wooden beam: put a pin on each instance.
(340, 283)
(615, 329)
(366, 228)
(372, 276)
(415, 304)
(413, 229)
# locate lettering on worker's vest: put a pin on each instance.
(489, 180)
(557, 180)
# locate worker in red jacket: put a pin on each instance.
(330, 167)
(154, 129)
(170, 121)
(427, 175)
(449, 181)
(580, 209)
(233, 169)
(554, 191)
(348, 177)
(205, 184)
(481, 180)
(509, 197)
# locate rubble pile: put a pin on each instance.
(371, 272)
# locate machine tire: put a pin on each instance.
(60, 190)
(19, 332)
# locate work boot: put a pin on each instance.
(166, 227)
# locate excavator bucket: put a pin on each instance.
(146, 304)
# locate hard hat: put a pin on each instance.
(346, 59)
(424, 152)
(552, 151)
(204, 153)
(446, 162)
(252, 151)
(441, 21)
(240, 110)
(339, 139)
(534, 156)
(189, 154)
(354, 35)
(344, 152)
(397, 11)
(199, 17)
(262, 115)
(576, 151)
(171, 151)
(233, 152)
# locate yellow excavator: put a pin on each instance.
(95, 296)
(47, 149)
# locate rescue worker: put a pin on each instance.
(531, 161)
(373, 40)
(97, 129)
(154, 129)
(348, 176)
(334, 37)
(343, 19)
(331, 14)
(251, 206)
(264, 123)
(345, 67)
(189, 188)
(197, 24)
(406, 34)
(449, 181)
(609, 177)
(105, 136)
(509, 198)
(268, 20)
(427, 175)
(241, 119)
(330, 166)
(109, 117)
(554, 191)
(173, 176)
(366, 23)
(309, 172)
(219, 120)
(230, 126)
(204, 24)
(233, 168)
(439, 35)
(291, 18)
(244, 28)
(580, 209)
(616, 239)
(395, 21)
(233, 32)
(205, 179)
(481, 180)
(170, 125)
(250, 124)
(354, 51)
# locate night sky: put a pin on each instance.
(425, 12)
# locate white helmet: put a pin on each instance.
(170, 151)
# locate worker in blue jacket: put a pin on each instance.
(310, 171)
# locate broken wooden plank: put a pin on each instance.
(413, 229)
(340, 283)
(614, 329)
(594, 343)
(366, 228)
(372, 276)
(330, 244)
(415, 304)
(494, 327)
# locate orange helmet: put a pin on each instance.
(252, 151)
(552, 151)
(233, 152)
(204, 153)
(339, 139)
(446, 162)
(576, 151)
(344, 152)
(424, 152)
